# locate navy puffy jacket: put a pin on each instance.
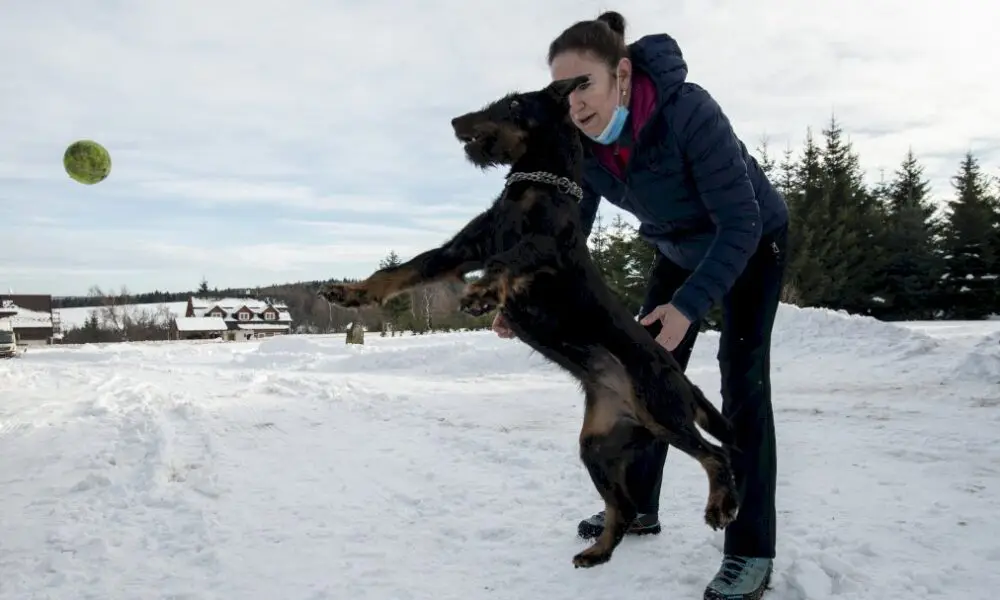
(697, 192)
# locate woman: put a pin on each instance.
(661, 148)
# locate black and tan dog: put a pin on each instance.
(538, 271)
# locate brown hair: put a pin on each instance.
(603, 36)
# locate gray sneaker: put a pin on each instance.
(740, 578)
(644, 524)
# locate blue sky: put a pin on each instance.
(262, 142)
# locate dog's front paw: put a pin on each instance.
(478, 300)
(591, 557)
(348, 295)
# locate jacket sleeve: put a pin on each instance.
(588, 208)
(715, 157)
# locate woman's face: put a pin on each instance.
(591, 104)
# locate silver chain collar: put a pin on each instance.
(563, 184)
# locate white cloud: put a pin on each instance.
(228, 119)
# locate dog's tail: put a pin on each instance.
(710, 419)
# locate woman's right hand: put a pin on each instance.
(500, 327)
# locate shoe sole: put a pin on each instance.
(758, 595)
(588, 532)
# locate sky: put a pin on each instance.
(261, 142)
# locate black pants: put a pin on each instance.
(744, 360)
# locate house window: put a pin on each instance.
(270, 315)
(245, 316)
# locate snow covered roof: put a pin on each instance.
(22, 318)
(230, 304)
(202, 306)
(8, 308)
(200, 324)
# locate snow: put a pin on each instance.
(232, 304)
(17, 317)
(202, 306)
(71, 318)
(200, 324)
(444, 466)
(30, 318)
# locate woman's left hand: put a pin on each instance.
(675, 325)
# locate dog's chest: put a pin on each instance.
(513, 224)
(505, 236)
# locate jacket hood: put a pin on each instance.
(660, 57)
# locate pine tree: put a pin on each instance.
(598, 243)
(854, 255)
(643, 257)
(785, 182)
(995, 248)
(913, 266)
(623, 258)
(397, 306)
(808, 216)
(971, 261)
(621, 271)
(767, 164)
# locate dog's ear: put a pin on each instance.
(560, 89)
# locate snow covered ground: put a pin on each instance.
(444, 466)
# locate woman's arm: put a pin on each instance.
(716, 158)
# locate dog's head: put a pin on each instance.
(498, 134)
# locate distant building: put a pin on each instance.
(30, 316)
(7, 310)
(231, 319)
(197, 328)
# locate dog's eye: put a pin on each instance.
(514, 104)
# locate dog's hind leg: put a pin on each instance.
(723, 500)
(662, 412)
(466, 251)
(710, 419)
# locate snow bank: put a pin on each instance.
(460, 355)
(799, 332)
(818, 331)
(982, 362)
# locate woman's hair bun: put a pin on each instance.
(614, 20)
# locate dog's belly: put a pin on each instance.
(571, 327)
(558, 326)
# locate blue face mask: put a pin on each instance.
(615, 124)
(614, 127)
